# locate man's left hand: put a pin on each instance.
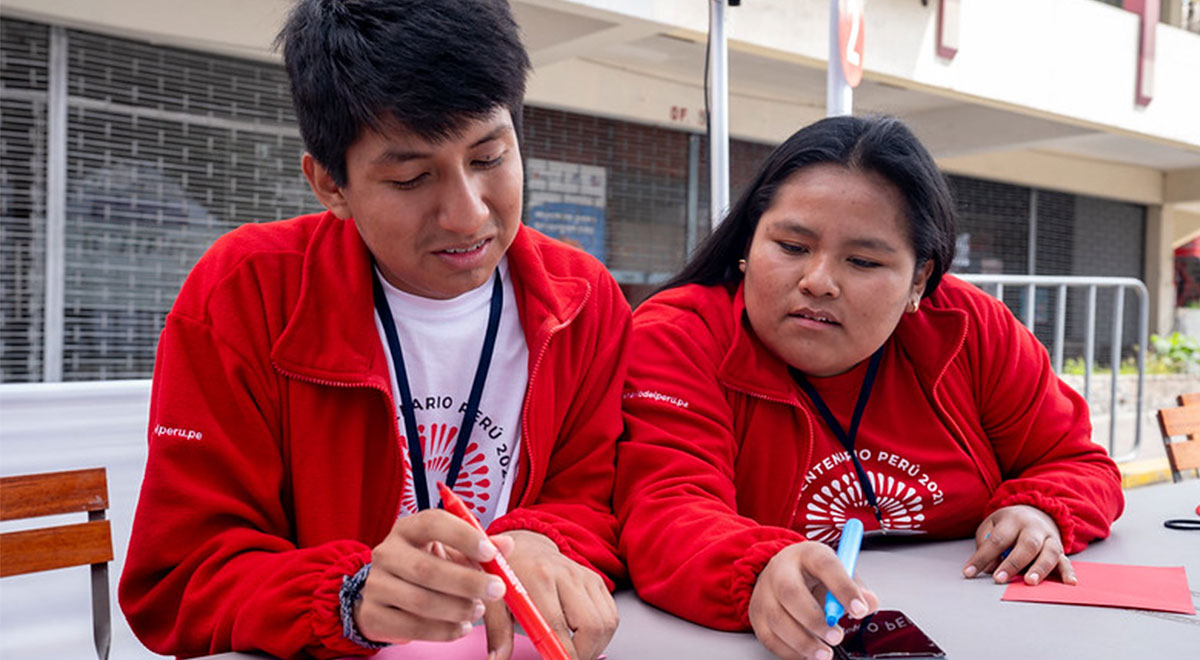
(573, 599)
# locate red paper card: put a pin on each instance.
(1163, 588)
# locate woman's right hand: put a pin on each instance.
(787, 607)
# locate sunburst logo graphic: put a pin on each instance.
(900, 504)
(438, 447)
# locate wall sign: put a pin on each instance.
(566, 201)
(850, 36)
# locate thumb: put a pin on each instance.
(499, 626)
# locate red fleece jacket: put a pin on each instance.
(274, 460)
(719, 440)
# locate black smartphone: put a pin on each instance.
(885, 634)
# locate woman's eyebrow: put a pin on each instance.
(863, 243)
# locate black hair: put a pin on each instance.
(883, 145)
(430, 66)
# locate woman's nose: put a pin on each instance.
(818, 278)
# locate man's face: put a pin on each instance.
(437, 216)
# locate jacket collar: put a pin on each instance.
(331, 336)
(931, 338)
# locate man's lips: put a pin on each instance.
(464, 248)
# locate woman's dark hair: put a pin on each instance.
(882, 145)
(429, 65)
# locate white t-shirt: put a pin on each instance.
(441, 341)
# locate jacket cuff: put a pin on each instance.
(327, 606)
(745, 574)
(519, 520)
(1049, 505)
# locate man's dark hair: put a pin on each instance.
(430, 66)
(882, 145)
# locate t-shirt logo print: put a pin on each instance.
(438, 447)
(900, 505)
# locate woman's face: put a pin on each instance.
(831, 268)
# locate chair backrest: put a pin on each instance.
(43, 549)
(1189, 399)
(1183, 420)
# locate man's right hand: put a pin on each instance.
(424, 584)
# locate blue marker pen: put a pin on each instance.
(847, 552)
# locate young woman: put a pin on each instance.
(814, 363)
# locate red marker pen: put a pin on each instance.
(544, 640)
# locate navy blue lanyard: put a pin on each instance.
(416, 457)
(848, 438)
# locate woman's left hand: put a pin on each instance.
(1032, 539)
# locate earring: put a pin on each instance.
(742, 265)
(916, 305)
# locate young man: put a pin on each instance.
(317, 376)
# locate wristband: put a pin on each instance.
(351, 593)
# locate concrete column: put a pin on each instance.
(1160, 267)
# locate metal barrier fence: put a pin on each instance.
(1061, 284)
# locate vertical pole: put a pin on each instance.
(1115, 356)
(1143, 346)
(1060, 326)
(693, 195)
(1031, 261)
(56, 207)
(839, 97)
(1089, 343)
(718, 118)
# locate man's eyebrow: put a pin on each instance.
(866, 243)
(399, 156)
(492, 134)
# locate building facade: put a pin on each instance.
(133, 133)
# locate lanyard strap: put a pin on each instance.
(416, 457)
(848, 438)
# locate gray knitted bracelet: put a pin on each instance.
(351, 593)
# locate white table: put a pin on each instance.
(966, 617)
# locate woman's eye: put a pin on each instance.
(864, 263)
(793, 248)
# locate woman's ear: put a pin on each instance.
(328, 192)
(921, 278)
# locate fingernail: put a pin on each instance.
(833, 636)
(1001, 576)
(466, 630)
(858, 608)
(970, 571)
(495, 588)
(487, 551)
(823, 654)
(479, 610)
(1031, 578)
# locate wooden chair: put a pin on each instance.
(46, 548)
(1183, 420)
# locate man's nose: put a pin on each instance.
(463, 209)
